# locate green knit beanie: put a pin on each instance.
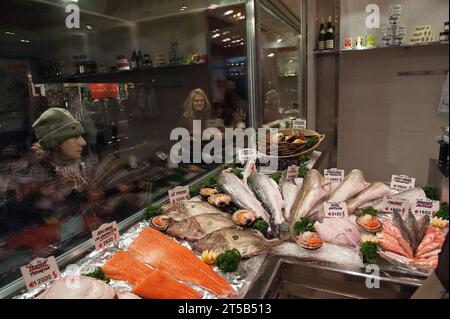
(55, 126)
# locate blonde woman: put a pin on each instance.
(196, 107)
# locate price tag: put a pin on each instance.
(426, 207)
(179, 194)
(292, 172)
(247, 154)
(105, 235)
(40, 271)
(334, 175)
(395, 205)
(299, 124)
(402, 182)
(335, 209)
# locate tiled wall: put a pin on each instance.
(388, 123)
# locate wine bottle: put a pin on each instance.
(329, 38)
(140, 60)
(322, 34)
(134, 58)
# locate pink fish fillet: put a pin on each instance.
(430, 254)
(391, 244)
(396, 232)
(428, 263)
(434, 239)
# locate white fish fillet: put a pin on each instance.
(339, 231)
(78, 287)
(375, 191)
(289, 190)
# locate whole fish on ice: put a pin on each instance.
(289, 190)
(373, 192)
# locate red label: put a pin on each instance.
(104, 90)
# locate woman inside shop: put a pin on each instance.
(196, 107)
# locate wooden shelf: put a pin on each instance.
(326, 52)
(405, 46)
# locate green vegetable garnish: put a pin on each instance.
(210, 182)
(152, 211)
(443, 211)
(276, 177)
(303, 159)
(369, 211)
(303, 171)
(430, 191)
(303, 225)
(238, 173)
(261, 225)
(311, 141)
(194, 191)
(369, 251)
(229, 260)
(98, 274)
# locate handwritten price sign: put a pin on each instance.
(395, 205)
(105, 235)
(426, 207)
(335, 209)
(299, 124)
(292, 172)
(402, 182)
(39, 272)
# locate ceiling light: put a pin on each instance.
(227, 13)
(183, 8)
(89, 27)
(216, 35)
(9, 33)
(271, 55)
(279, 40)
(213, 6)
(238, 14)
(226, 40)
(226, 32)
(291, 61)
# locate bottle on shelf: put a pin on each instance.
(140, 60)
(322, 34)
(134, 59)
(329, 38)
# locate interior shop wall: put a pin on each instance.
(388, 123)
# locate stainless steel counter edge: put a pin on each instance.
(81, 250)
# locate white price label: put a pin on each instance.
(426, 207)
(292, 172)
(299, 124)
(40, 271)
(335, 209)
(247, 154)
(402, 182)
(395, 205)
(179, 194)
(334, 175)
(105, 235)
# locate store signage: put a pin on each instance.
(426, 207)
(105, 235)
(402, 182)
(103, 90)
(178, 194)
(395, 205)
(335, 209)
(299, 124)
(292, 172)
(40, 271)
(247, 154)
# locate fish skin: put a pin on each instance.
(190, 208)
(248, 242)
(197, 227)
(395, 258)
(422, 225)
(159, 251)
(410, 195)
(310, 194)
(373, 192)
(398, 221)
(289, 191)
(413, 229)
(241, 195)
(268, 193)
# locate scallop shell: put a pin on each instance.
(249, 217)
(219, 200)
(167, 221)
(206, 192)
(366, 229)
(299, 240)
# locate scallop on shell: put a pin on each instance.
(160, 222)
(219, 200)
(363, 226)
(300, 240)
(206, 192)
(243, 217)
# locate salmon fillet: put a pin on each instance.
(160, 252)
(123, 266)
(158, 285)
(150, 283)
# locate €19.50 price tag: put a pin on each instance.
(335, 209)
(292, 172)
(426, 207)
(395, 205)
(179, 194)
(40, 271)
(247, 154)
(299, 124)
(105, 235)
(402, 182)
